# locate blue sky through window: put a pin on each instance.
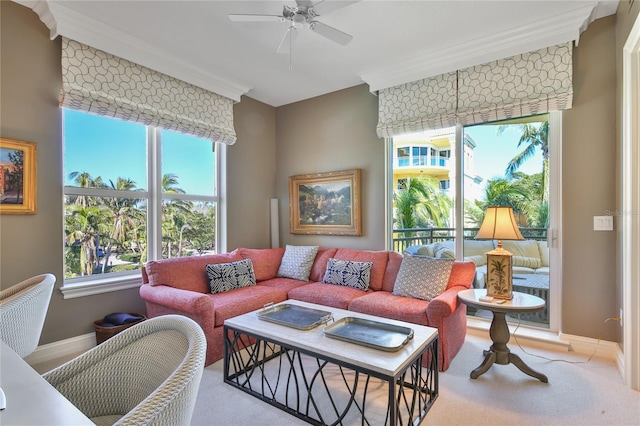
(112, 148)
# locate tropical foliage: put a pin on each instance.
(422, 205)
(101, 228)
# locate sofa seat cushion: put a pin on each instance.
(385, 304)
(283, 284)
(379, 259)
(242, 300)
(265, 261)
(544, 270)
(523, 270)
(186, 273)
(326, 294)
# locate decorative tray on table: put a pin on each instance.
(374, 334)
(294, 316)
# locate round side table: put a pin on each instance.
(499, 353)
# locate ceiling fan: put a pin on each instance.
(302, 15)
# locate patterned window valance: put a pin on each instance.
(530, 83)
(101, 83)
(417, 106)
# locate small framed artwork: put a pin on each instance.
(17, 177)
(325, 203)
(499, 276)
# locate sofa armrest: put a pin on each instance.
(191, 303)
(444, 305)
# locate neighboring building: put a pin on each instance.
(433, 154)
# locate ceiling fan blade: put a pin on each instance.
(256, 18)
(324, 7)
(288, 40)
(331, 33)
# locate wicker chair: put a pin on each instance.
(23, 308)
(148, 374)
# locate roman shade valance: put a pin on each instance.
(527, 84)
(101, 83)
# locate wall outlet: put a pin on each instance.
(621, 317)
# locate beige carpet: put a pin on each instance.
(591, 393)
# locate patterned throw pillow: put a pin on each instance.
(227, 276)
(348, 273)
(422, 277)
(297, 262)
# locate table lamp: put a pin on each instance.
(499, 224)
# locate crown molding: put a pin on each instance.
(556, 30)
(65, 22)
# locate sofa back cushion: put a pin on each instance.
(462, 274)
(187, 273)
(391, 272)
(544, 253)
(522, 248)
(265, 261)
(379, 259)
(320, 263)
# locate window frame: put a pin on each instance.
(103, 283)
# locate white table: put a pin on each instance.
(31, 400)
(499, 353)
(251, 343)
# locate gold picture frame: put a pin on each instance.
(325, 203)
(17, 177)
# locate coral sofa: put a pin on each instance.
(181, 286)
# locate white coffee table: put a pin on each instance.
(266, 360)
(499, 353)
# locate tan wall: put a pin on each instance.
(327, 133)
(30, 245)
(330, 133)
(251, 175)
(589, 187)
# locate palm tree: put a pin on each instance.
(126, 217)
(506, 192)
(174, 212)
(421, 204)
(86, 226)
(532, 138)
(84, 180)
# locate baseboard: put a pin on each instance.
(61, 349)
(546, 339)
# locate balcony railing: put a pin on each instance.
(403, 238)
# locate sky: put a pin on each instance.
(112, 148)
(494, 151)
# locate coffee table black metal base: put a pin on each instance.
(324, 391)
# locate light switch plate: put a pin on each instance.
(603, 223)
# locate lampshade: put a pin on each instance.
(499, 224)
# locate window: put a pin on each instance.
(419, 156)
(403, 156)
(133, 193)
(496, 172)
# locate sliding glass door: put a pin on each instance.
(443, 180)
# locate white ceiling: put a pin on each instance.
(393, 41)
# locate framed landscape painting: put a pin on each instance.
(325, 203)
(17, 177)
